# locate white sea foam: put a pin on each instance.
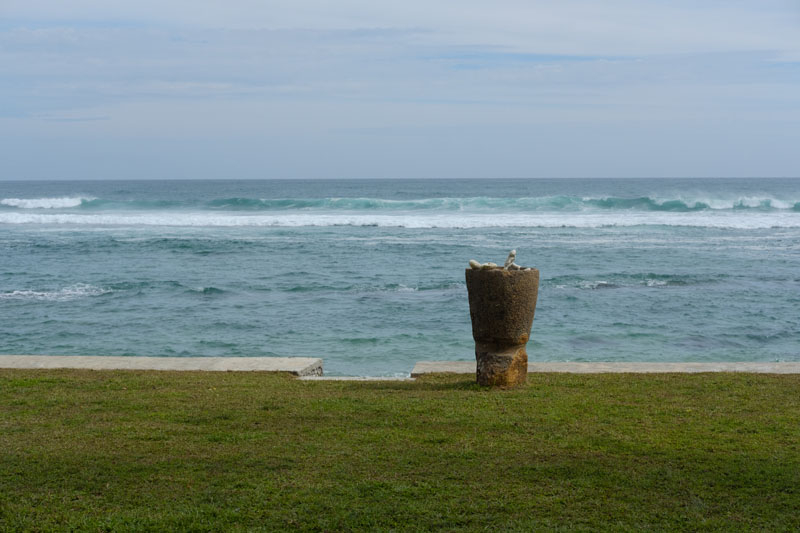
(45, 203)
(595, 285)
(79, 290)
(750, 220)
(403, 288)
(739, 201)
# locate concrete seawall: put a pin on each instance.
(469, 367)
(312, 367)
(298, 366)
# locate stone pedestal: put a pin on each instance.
(501, 305)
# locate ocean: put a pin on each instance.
(369, 274)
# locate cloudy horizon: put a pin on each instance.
(359, 90)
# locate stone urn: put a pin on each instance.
(501, 306)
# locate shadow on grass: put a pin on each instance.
(429, 382)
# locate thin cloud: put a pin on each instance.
(361, 82)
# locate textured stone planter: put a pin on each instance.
(501, 305)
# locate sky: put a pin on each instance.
(105, 89)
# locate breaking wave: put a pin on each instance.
(526, 204)
(741, 212)
(45, 203)
(407, 220)
(79, 290)
(626, 280)
(558, 203)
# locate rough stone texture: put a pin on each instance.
(504, 368)
(501, 306)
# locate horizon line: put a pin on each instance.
(25, 180)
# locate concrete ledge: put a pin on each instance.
(353, 378)
(469, 367)
(299, 366)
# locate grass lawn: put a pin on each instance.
(154, 451)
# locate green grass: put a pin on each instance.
(190, 451)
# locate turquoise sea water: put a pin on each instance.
(369, 274)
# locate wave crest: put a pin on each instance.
(415, 221)
(79, 290)
(524, 204)
(479, 204)
(46, 203)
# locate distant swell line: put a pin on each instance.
(472, 204)
(536, 204)
(545, 203)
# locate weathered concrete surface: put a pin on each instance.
(299, 366)
(469, 367)
(501, 307)
(353, 378)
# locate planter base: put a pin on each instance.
(501, 367)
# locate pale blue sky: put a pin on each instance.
(94, 89)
